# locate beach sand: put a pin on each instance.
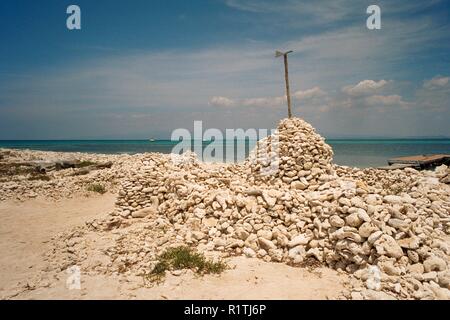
(28, 227)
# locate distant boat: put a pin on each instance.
(152, 140)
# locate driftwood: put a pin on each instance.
(98, 166)
(60, 165)
(47, 166)
(57, 165)
(445, 179)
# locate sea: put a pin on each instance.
(360, 153)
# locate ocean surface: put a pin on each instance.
(350, 152)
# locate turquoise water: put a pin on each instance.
(350, 152)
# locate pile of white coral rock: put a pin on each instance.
(295, 155)
(389, 229)
(396, 223)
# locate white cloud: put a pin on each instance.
(264, 102)
(222, 102)
(437, 82)
(250, 102)
(323, 11)
(434, 95)
(390, 100)
(364, 88)
(366, 95)
(306, 95)
(312, 93)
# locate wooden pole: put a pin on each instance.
(286, 78)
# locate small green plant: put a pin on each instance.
(96, 187)
(184, 258)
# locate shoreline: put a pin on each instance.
(353, 153)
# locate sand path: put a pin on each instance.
(28, 227)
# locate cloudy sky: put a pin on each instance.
(140, 69)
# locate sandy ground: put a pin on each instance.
(28, 227)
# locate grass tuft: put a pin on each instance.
(96, 187)
(184, 258)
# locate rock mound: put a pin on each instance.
(390, 230)
(295, 155)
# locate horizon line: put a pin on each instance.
(155, 140)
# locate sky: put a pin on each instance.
(143, 68)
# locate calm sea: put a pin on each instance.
(350, 152)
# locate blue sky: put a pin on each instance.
(140, 69)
